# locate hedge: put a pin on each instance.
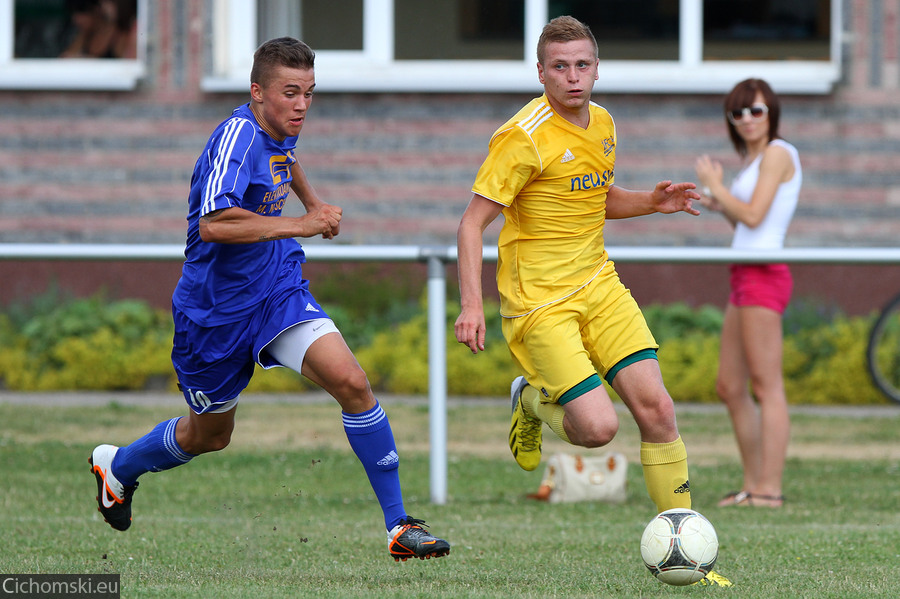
(95, 344)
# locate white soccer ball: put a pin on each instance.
(679, 546)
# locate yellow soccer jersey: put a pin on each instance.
(552, 177)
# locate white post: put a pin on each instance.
(437, 376)
(690, 33)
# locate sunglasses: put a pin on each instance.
(755, 113)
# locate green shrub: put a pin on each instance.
(93, 343)
(397, 359)
(806, 313)
(678, 320)
(689, 367)
(86, 343)
(365, 298)
(104, 359)
(827, 365)
(359, 331)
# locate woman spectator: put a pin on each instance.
(759, 204)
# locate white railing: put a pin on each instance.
(437, 257)
(447, 253)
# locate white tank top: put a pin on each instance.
(769, 234)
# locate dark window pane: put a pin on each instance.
(766, 30)
(75, 29)
(636, 30)
(323, 24)
(43, 28)
(333, 24)
(459, 30)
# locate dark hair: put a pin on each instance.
(280, 52)
(742, 95)
(564, 29)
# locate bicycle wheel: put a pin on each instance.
(883, 352)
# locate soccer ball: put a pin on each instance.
(679, 546)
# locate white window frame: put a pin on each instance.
(112, 74)
(374, 70)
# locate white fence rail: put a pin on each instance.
(447, 253)
(437, 258)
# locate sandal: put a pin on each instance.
(771, 501)
(734, 498)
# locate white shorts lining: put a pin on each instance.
(290, 346)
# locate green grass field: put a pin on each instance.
(286, 511)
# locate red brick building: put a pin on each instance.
(101, 149)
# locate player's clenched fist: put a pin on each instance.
(325, 220)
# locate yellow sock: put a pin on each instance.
(551, 413)
(666, 474)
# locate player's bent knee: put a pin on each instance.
(657, 415)
(219, 442)
(200, 439)
(351, 383)
(358, 382)
(597, 434)
(206, 445)
(352, 391)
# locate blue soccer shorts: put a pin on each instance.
(215, 364)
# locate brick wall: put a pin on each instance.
(115, 167)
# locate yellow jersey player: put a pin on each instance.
(566, 315)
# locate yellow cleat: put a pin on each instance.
(714, 579)
(524, 430)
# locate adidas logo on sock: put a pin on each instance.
(568, 156)
(684, 488)
(311, 308)
(391, 458)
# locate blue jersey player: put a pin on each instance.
(242, 300)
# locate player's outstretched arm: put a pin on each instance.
(237, 225)
(470, 327)
(666, 197)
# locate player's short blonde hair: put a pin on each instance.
(564, 29)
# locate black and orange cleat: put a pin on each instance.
(409, 539)
(113, 498)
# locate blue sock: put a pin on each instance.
(371, 438)
(154, 452)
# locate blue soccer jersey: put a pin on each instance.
(241, 166)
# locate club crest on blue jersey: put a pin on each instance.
(280, 167)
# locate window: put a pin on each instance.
(626, 30)
(656, 46)
(323, 24)
(71, 44)
(458, 30)
(766, 30)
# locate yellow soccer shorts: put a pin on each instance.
(563, 344)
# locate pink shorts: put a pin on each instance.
(766, 285)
